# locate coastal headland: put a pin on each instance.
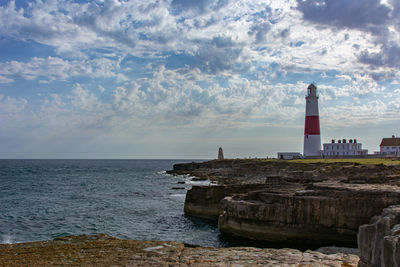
(300, 202)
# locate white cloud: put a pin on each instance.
(55, 68)
(9, 105)
(5, 79)
(148, 29)
(82, 99)
(371, 113)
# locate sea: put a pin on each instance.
(128, 199)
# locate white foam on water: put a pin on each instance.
(205, 182)
(6, 239)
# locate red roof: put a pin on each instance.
(394, 141)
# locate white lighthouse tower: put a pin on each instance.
(312, 138)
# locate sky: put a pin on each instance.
(180, 78)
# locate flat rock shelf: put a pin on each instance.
(103, 250)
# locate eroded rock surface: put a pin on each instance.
(379, 241)
(102, 250)
(244, 171)
(205, 201)
(319, 214)
(315, 203)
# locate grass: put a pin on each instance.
(385, 161)
(364, 161)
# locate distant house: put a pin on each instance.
(390, 146)
(289, 155)
(343, 148)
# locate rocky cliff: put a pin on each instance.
(272, 200)
(205, 201)
(379, 241)
(319, 214)
(239, 171)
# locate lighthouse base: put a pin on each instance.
(312, 145)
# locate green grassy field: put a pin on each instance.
(386, 161)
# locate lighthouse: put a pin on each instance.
(312, 138)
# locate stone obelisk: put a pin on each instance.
(220, 154)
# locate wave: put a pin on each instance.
(7, 239)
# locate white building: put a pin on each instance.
(390, 146)
(289, 155)
(343, 148)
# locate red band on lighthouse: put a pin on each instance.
(311, 126)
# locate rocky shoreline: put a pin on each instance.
(295, 202)
(103, 250)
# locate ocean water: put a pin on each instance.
(130, 199)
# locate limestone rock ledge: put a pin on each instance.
(204, 201)
(319, 214)
(379, 241)
(103, 250)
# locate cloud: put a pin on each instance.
(5, 79)
(260, 31)
(105, 22)
(367, 15)
(170, 97)
(369, 113)
(82, 99)
(216, 59)
(389, 55)
(71, 27)
(9, 105)
(55, 68)
(379, 18)
(198, 6)
(224, 36)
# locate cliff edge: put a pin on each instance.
(307, 202)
